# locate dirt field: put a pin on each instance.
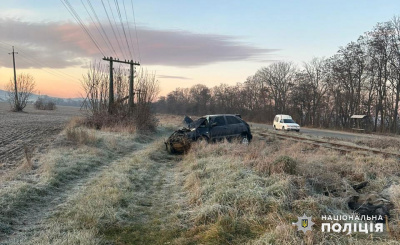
(32, 129)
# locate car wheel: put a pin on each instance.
(170, 149)
(202, 139)
(275, 128)
(244, 140)
(298, 130)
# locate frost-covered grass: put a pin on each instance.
(117, 188)
(252, 194)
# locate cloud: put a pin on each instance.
(64, 44)
(173, 77)
(182, 48)
(18, 13)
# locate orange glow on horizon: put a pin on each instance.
(46, 83)
(59, 83)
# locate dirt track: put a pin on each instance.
(32, 128)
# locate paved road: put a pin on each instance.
(321, 132)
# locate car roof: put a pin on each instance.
(216, 115)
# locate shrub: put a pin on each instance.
(141, 119)
(283, 164)
(41, 104)
(120, 115)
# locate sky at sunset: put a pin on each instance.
(183, 42)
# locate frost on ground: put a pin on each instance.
(32, 130)
(110, 188)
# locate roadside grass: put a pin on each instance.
(385, 143)
(224, 193)
(252, 195)
(375, 142)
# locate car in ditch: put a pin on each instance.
(285, 122)
(209, 128)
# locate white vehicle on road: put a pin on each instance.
(285, 122)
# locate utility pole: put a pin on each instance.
(131, 93)
(111, 89)
(15, 80)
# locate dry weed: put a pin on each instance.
(265, 187)
(80, 136)
(75, 122)
(390, 143)
(28, 153)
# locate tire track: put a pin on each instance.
(31, 219)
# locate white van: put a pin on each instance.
(285, 122)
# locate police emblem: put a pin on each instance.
(304, 223)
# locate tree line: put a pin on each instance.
(362, 78)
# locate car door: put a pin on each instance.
(279, 123)
(219, 129)
(235, 126)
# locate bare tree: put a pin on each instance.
(147, 87)
(278, 78)
(95, 85)
(315, 75)
(380, 53)
(395, 68)
(200, 98)
(25, 87)
(363, 77)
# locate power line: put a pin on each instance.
(101, 26)
(137, 40)
(116, 27)
(79, 20)
(74, 14)
(122, 24)
(129, 29)
(109, 20)
(94, 23)
(28, 57)
(51, 72)
(4, 49)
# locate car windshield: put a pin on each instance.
(199, 123)
(288, 121)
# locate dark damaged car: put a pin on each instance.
(210, 128)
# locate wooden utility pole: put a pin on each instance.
(131, 93)
(15, 79)
(111, 89)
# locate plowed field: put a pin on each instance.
(31, 130)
